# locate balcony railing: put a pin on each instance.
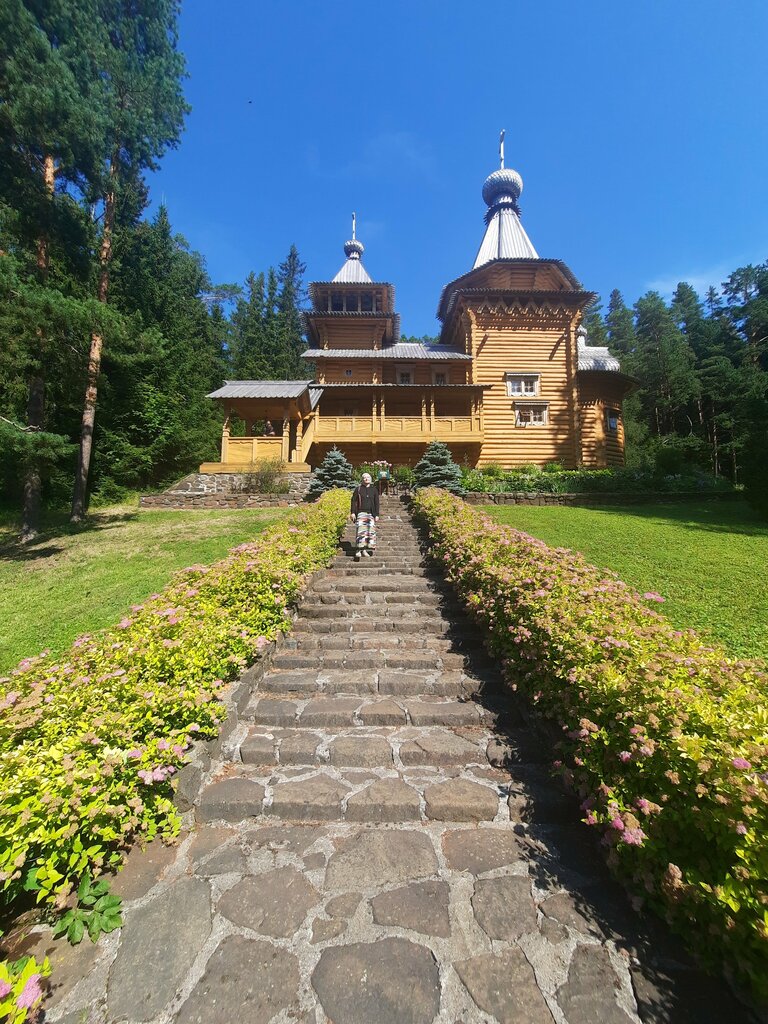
(393, 428)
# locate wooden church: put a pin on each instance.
(511, 380)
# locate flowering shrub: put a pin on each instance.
(89, 745)
(20, 989)
(664, 738)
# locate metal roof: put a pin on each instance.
(353, 272)
(504, 239)
(353, 384)
(314, 396)
(403, 350)
(261, 389)
(463, 284)
(594, 357)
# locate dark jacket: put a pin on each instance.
(365, 499)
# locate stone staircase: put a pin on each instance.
(383, 707)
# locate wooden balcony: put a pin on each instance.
(465, 429)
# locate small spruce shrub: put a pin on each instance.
(436, 468)
(332, 473)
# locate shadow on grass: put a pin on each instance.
(57, 528)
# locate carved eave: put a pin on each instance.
(546, 307)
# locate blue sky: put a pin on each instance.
(638, 128)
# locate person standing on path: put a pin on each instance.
(364, 510)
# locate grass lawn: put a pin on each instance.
(708, 559)
(76, 580)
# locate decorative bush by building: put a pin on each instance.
(663, 737)
(334, 471)
(436, 468)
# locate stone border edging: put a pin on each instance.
(593, 497)
(182, 500)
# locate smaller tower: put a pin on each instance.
(353, 271)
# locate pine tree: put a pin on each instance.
(140, 73)
(594, 324)
(334, 471)
(292, 295)
(436, 468)
(620, 325)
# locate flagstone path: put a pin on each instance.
(382, 845)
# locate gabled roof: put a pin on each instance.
(472, 281)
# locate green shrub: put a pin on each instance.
(404, 475)
(493, 470)
(436, 468)
(264, 478)
(89, 745)
(664, 739)
(553, 479)
(333, 472)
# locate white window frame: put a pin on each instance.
(531, 407)
(535, 382)
(408, 368)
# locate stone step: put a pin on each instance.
(332, 710)
(356, 599)
(375, 641)
(399, 747)
(419, 794)
(310, 681)
(394, 657)
(349, 567)
(348, 611)
(416, 623)
(397, 585)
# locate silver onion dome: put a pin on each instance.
(353, 249)
(502, 184)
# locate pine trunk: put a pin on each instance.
(79, 497)
(32, 490)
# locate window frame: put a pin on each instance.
(611, 412)
(512, 375)
(522, 405)
(440, 369)
(403, 368)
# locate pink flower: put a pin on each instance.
(124, 624)
(653, 596)
(5, 989)
(31, 993)
(625, 756)
(741, 828)
(643, 805)
(591, 818)
(741, 762)
(146, 777)
(618, 824)
(163, 745)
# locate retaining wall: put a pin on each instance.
(608, 498)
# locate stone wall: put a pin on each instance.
(234, 483)
(226, 490)
(540, 498)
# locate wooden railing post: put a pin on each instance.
(225, 441)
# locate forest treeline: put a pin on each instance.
(112, 333)
(701, 368)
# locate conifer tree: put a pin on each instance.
(620, 325)
(140, 73)
(334, 471)
(594, 324)
(290, 277)
(436, 468)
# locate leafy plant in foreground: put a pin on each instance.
(97, 911)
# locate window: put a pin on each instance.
(366, 302)
(337, 302)
(404, 374)
(347, 373)
(522, 385)
(612, 419)
(439, 374)
(352, 302)
(531, 415)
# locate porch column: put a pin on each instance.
(423, 412)
(285, 453)
(432, 412)
(374, 404)
(296, 456)
(225, 440)
(382, 401)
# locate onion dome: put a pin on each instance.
(353, 249)
(501, 185)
